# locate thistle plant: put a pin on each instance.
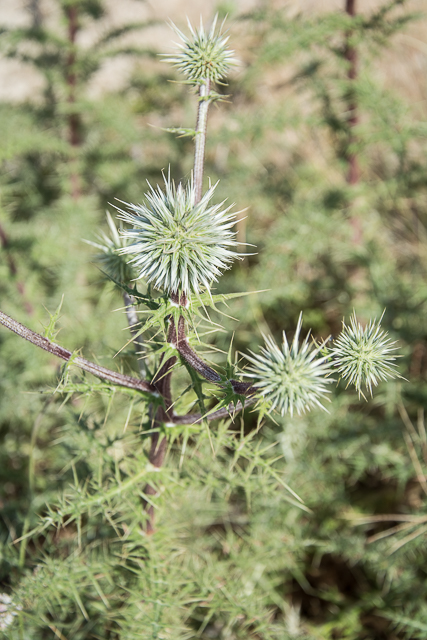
(205, 60)
(292, 378)
(362, 355)
(115, 268)
(176, 244)
(109, 257)
(204, 56)
(178, 241)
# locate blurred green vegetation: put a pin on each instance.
(234, 556)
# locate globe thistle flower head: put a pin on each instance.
(362, 354)
(110, 261)
(292, 378)
(176, 244)
(204, 55)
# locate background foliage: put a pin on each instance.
(235, 555)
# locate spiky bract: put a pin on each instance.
(293, 378)
(112, 263)
(204, 55)
(362, 354)
(176, 244)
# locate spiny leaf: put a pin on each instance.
(50, 331)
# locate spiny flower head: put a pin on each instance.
(362, 354)
(176, 244)
(110, 260)
(204, 55)
(293, 377)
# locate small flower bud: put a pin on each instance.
(362, 355)
(292, 378)
(204, 56)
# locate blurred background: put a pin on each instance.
(321, 141)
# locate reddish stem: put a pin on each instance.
(350, 54)
(156, 457)
(353, 171)
(162, 382)
(71, 79)
(57, 350)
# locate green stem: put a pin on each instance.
(200, 141)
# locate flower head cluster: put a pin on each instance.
(112, 262)
(292, 378)
(176, 244)
(204, 55)
(362, 354)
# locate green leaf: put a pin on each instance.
(50, 331)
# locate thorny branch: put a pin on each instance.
(60, 352)
(159, 386)
(225, 412)
(178, 338)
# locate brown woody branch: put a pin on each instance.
(60, 352)
(160, 384)
(178, 339)
(224, 412)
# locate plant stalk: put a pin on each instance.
(353, 168)
(177, 337)
(162, 382)
(71, 80)
(224, 412)
(156, 457)
(200, 140)
(60, 352)
(351, 56)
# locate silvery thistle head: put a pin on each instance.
(292, 378)
(175, 244)
(203, 56)
(362, 355)
(110, 261)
